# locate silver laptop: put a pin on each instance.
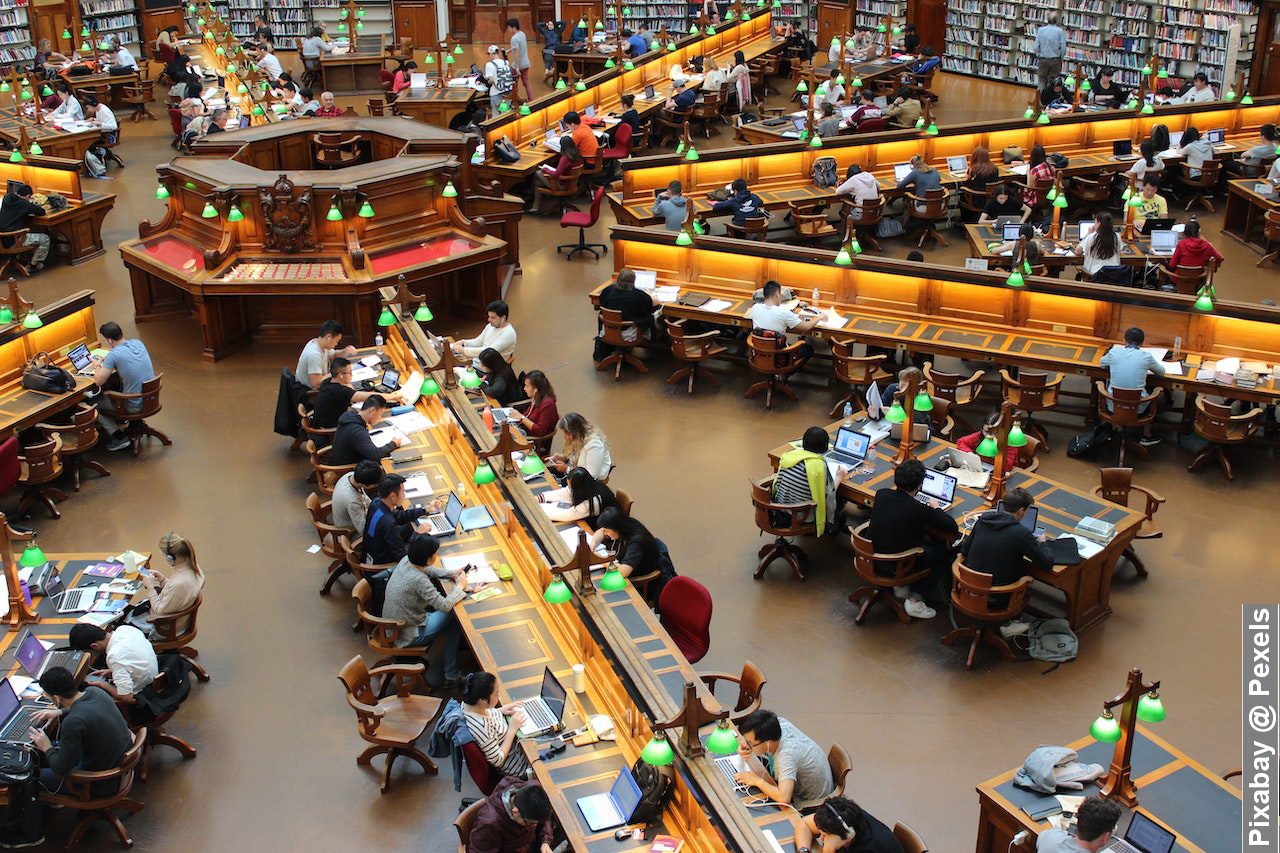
(78, 599)
(958, 165)
(1217, 137)
(900, 171)
(1163, 242)
(589, 112)
(1175, 139)
(919, 432)
(544, 711)
(1010, 233)
(938, 491)
(730, 766)
(1144, 835)
(850, 447)
(969, 461)
(444, 523)
(1030, 519)
(1086, 227)
(82, 360)
(615, 808)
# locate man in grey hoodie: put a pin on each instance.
(671, 206)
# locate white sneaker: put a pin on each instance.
(918, 609)
(1014, 628)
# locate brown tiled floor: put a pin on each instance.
(277, 743)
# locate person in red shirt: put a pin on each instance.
(328, 108)
(540, 418)
(863, 110)
(969, 443)
(1193, 250)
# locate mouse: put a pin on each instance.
(622, 834)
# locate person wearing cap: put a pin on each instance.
(500, 77)
(582, 135)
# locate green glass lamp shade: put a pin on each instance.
(680, 147)
(857, 82)
(1043, 118)
(881, 28)
(804, 134)
(1135, 200)
(1147, 109)
(257, 109)
(470, 379)
(1162, 74)
(32, 321)
(431, 387)
(1204, 302)
(531, 465)
(504, 107)
(722, 740)
(66, 34)
(231, 68)
(840, 81)
(1052, 193)
(6, 315)
(1015, 279)
(1026, 268)
(1132, 105)
(334, 215)
(423, 314)
(359, 25)
(612, 581)
(5, 87)
(191, 10)
(234, 214)
(988, 447)
(484, 474)
(843, 258)
(366, 210)
(599, 25)
(1128, 191)
(32, 556)
(691, 154)
(558, 592)
(920, 123)
(683, 239)
(25, 94)
(188, 185)
(671, 45)
(1086, 86)
(932, 129)
(360, 12)
(1146, 68)
(449, 191)
(856, 246)
(582, 23)
(386, 318)
(816, 142)
(630, 66)
(802, 86)
(777, 4)
(1028, 113)
(431, 59)
(1231, 95)
(822, 90)
(746, 16)
(896, 413)
(449, 60)
(342, 27)
(1247, 100)
(84, 30)
(242, 89)
(1105, 729)
(658, 752)
(1017, 438)
(560, 84)
(15, 156)
(1060, 201)
(611, 12)
(162, 192)
(711, 30)
(457, 48)
(609, 63)
(728, 16)
(1070, 82)
(209, 211)
(1150, 708)
(343, 14)
(221, 51)
(897, 30)
(835, 41)
(524, 110)
(697, 227)
(580, 86)
(923, 402)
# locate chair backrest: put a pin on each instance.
(684, 609)
(946, 385)
(869, 124)
(43, 462)
(148, 398)
(175, 630)
(865, 560)
(88, 786)
(755, 228)
(622, 138)
(596, 198)
(1271, 225)
(933, 204)
(762, 501)
(484, 774)
(1035, 393)
(10, 467)
(1208, 173)
(972, 593)
(1028, 452)
(467, 818)
(613, 327)
(768, 354)
(1126, 405)
(361, 696)
(376, 106)
(851, 369)
(909, 839)
(381, 633)
(1187, 280)
(1213, 422)
(624, 501)
(840, 763)
(750, 688)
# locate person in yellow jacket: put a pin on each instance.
(804, 477)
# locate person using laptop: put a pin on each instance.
(130, 660)
(899, 522)
(1128, 366)
(1154, 205)
(904, 110)
(313, 363)
(861, 186)
(636, 551)
(841, 824)
(351, 494)
(920, 179)
(416, 597)
(1194, 251)
(129, 360)
(634, 305)
(1149, 163)
(1003, 201)
(351, 441)
(980, 172)
(672, 206)
(1197, 149)
(796, 768)
(497, 333)
(862, 109)
(803, 477)
(969, 443)
(743, 204)
(584, 498)
(1259, 155)
(1106, 92)
(1101, 247)
(1199, 93)
(891, 390)
(999, 545)
(1095, 824)
(1055, 95)
(494, 725)
(336, 395)
(584, 446)
(541, 415)
(630, 115)
(500, 381)
(388, 524)
(1034, 254)
(514, 818)
(769, 315)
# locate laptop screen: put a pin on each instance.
(453, 510)
(1086, 227)
(958, 164)
(8, 701)
(852, 443)
(1175, 139)
(1148, 836)
(901, 170)
(1122, 147)
(589, 112)
(553, 693)
(1163, 242)
(1011, 230)
(799, 121)
(390, 378)
(939, 485)
(625, 793)
(1217, 136)
(30, 653)
(80, 357)
(1028, 520)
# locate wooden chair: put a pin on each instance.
(464, 821)
(312, 70)
(767, 355)
(798, 523)
(322, 437)
(841, 765)
(931, 208)
(376, 106)
(564, 187)
(391, 724)
(909, 839)
(624, 501)
(351, 549)
(613, 333)
(708, 110)
(864, 226)
(1270, 235)
(877, 586)
(1185, 280)
(1217, 425)
(1118, 487)
(1031, 392)
(593, 169)
(336, 150)
(1089, 194)
(750, 688)
(153, 731)
(78, 438)
(1029, 455)
(973, 202)
(693, 351)
(1130, 408)
(1039, 195)
(382, 633)
(41, 464)
(139, 95)
(951, 387)
(1201, 187)
(856, 373)
(13, 246)
(77, 794)
(108, 145)
(672, 123)
(134, 423)
(940, 421)
(175, 632)
(321, 520)
(809, 219)
(972, 594)
(640, 139)
(756, 228)
(323, 474)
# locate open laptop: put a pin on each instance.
(799, 121)
(938, 491)
(1163, 242)
(969, 461)
(919, 432)
(615, 808)
(730, 766)
(1010, 231)
(389, 383)
(82, 360)
(1217, 137)
(544, 711)
(1002, 221)
(1175, 139)
(1144, 835)
(445, 523)
(958, 165)
(1155, 224)
(1029, 519)
(78, 599)
(417, 81)
(1122, 149)
(900, 171)
(1086, 228)
(36, 658)
(15, 715)
(850, 447)
(589, 112)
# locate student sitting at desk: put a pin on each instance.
(1055, 95)
(315, 45)
(743, 204)
(415, 596)
(713, 76)
(130, 660)
(863, 110)
(121, 57)
(552, 35)
(1101, 248)
(1262, 152)
(1000, 546)
(500, 380)
(1039, 172)
(328, 106)
(1034, 255)
(862, 186)
(863, 45)
(1197, 149)
(796, 771)
(899, 523)
(218, 121)
(835, 91)
(1199, 93)
(583, 136)
(403, 76)
(1148, 163)
(636, 551)
(829, 125)
(981, 171)
(1003, 201)
(178, 591)
(672, 206)
(904, 111)
(1105, 91)
(584, 446)
(540, 416)
(634, 305)
(841, 824)
(100, 114)
(583, 498)
(546, 178)
(910, 40)
(16, 210)
(1128, 366)
(351, 494)
(629, 116)
(632, 44)
(68, 108)
(497, 333)
(1194, 251)
(313, 363)
(1154, 205)
(681, 100)
(513, 819)
(494, 725)
(351, 441)
(48, 58)
(268, 64)
(803, 477)
(891, 391)
(129, 360)
(927, 61)
(970, 442)
(1095, 824)
(388, 525)
(336, 395)
(919, 180)
(769, 315)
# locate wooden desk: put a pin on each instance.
(79, 226)
(758, 133)
(1133, 253)
(355, 73)
(55, 142)
(588, 63)
(435, 106)
(1174, 789)
(102, 78)
(1245, 216)
(1086, 586)
(68, 322)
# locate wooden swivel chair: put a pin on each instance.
(1039, 202)
(382, 633)
(840, 765)
(684, 609)
(391, 724)
(1029, 455)
(1200, 188)
(1270, 235)
(1126, 412)
(41, 466)
(563, 187)
(1217, 425)
(463, 823)
(139, 95)
(109, 147)
(78, 794)
(972, 594)
(756, 228)
(1185, 280)
(671, 123)
(796, 522)
(909, 839)
(863, 227)
(353, 551)
(324, 475)
(322, 437)
(708, 110)
(973, 201)
(878, 586)
(750, 688)
(175, 632)
(78, 438)
(856, 373)
(809, 219)
(376, 106)
(767, 355)
(134, 423)
(613, 333)
(312, 70)
(624, 501)
(931, 208)
(1032, 391)
(953, 388)
(593, 169)
(153, 731)
(13, 248)
(322, 521)
(693, 351)
(1118, 487)
(336, 150)
(1088, 195)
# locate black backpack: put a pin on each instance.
(1088, 443)
(657, 788)
(825, 173)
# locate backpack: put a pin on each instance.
(1088, 443)
(824, 173)
(503, 79)
(656, 791)
(1052, 640)
(505, 151)
(93, 163)
(1057, 161)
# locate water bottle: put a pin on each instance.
(815, 298)
(461, 492)
(377, 342)
(848, 414)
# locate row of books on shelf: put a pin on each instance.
(23, 53)
(13, 18)
(106, 7)
(15, 36)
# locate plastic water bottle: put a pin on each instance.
(461, 492)
(816, 294)
(848, 414)
(377, 342)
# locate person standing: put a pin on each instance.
(1050, 48)
(500, 77)
(518, 54)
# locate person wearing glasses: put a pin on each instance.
(796, 768)
(841, 824)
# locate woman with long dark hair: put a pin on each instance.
(1102, 247)
(500, 380)
(545, 178)
(584, 497)
(493, 725)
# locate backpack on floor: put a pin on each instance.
(656, 791)
(94, 164)
(1086, 444)
(824, 173)
(1052, 640)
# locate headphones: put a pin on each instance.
(167, 547)
(848, 830)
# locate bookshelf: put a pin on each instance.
(870, 15)
(996, 38)
(15, 33)
(802, 14)
(289, 21)
(240, 17)
(377, 18)
(113, 19)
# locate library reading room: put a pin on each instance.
(686, 426)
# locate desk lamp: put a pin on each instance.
(13, 305)
(1006, 433)
(1204, 296)
(405, 299)
(692, 717)
(558, 591)
(509, 442)
(1020, 264)
(907, 400)
(1139, 701)
(20, 612)
(1059, 198)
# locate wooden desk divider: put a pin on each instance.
(63, 324)
(905, 400)
(994, 493)
(506, 445)
(20, 612)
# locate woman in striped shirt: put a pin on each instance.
(494, 733)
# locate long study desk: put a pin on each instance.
(68, 322)
(764, 132)
(78, 226)
(435, 105)
(1059, 254)
(1245, 215)
(67, 145)
(1086, 585)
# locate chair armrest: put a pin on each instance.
(1053, 383)
(1020, 583)
(701, 336)
(1102, 390)
(1243, 418)
(120, 395)
(712, 678)
(975, 378)
(1153, 500)
(404, 674)
(901, 555)
(325, 527)
(371, 710)
(1009, 380)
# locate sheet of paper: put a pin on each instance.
(715, 305)
(833, 320)
(1019, 170)
(1172, 368)
(409, 422)
(20, 683)
(1158, 353)
(360, 374)
(371, 360)
(1228, 365)
(418, 485)
(666, 293)
(1255, 366)
(1069, 803)
(480, 572)
(386, 435)
(970, 479)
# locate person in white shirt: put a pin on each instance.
(121, 57)
(835, 91)
(105, 119)
(1199, 93)
(69, 109)
(584, 446)
(269, 65)
(131, 661)
(713, 76)
(862, 186)
(497, 333)
(500, 77)
(770, 316)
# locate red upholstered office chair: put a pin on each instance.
(484, 774)
(574, 218)
(621, 147)
(871, 124)
(684, 609)
(175, 124)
